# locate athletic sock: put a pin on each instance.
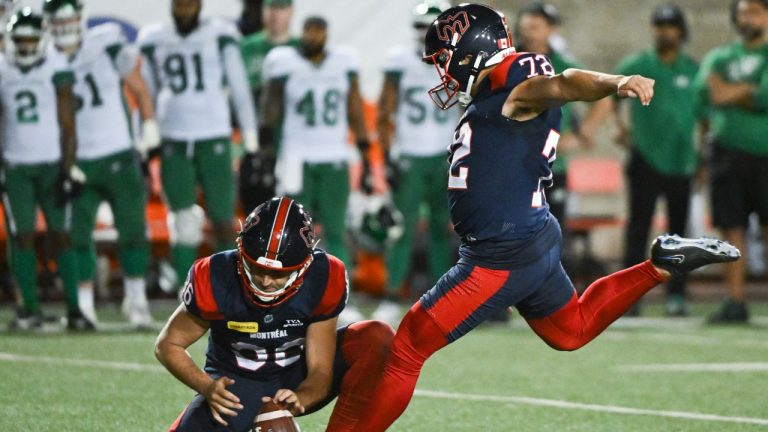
(183, 257)
(66, 263)
(135, 289)
(418, 337)
(24, 266)
(364, 346)
(85, 297)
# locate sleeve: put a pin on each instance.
(276, 64)
(63, 75)
(122, 53)
(701, 87)
(352, 63)
(336, 292)
(149, 71)
(519, 67)
(250, 59)
(393, 67)
(197, 293)
(760, 98)
(241, 92)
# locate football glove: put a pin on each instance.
(257, 179)
(149, 143)
(69, 185)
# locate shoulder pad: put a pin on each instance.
(347, 56)
(197, 293)
(151, 33)
(517, 68)
(279, 61)
(396, 58)
(222, 27)
(336, 291)
(109, 33)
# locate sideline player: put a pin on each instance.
(315, 92)
(102, 61)
(732, 88)
(187, 65)
(271, 307)
(257, 170)
(39, 144)
(416, 157)
(510, 254)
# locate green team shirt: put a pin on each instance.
(733, 127)
(561, 63)
(663, 131)
(254, 49)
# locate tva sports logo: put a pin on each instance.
(453, 25)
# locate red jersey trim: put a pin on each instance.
(499, 74)
(204, 299)
(335, 288)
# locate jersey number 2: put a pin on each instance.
(462, 140)
(549, 152)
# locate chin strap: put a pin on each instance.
(465, 97)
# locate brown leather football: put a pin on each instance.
(273, 418)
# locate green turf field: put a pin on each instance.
(496, 379)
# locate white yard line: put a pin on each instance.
(591, 407)
(420, 392)
(80, 362)
(696, 367)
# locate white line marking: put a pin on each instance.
(139, 367)
(696, 367)
(589, 407)
(81, 362)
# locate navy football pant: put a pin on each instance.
(468, 294)
(360, 352)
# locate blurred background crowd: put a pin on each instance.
(232, 102)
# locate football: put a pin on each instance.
(273, 418)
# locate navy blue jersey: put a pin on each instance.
(252, 340)
(500, 167)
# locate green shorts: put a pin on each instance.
(26, 188)
(208, 163)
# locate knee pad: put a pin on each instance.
(186, 226)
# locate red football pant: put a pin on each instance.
(569, 328)
(364, 347)
(603, 302)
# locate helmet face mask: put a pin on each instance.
(444, 93)
(275, 246)
(283, 283)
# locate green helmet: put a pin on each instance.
(426, 12)
(65, 19)
(375, 222)
(26, 38)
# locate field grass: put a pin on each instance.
(496, 379)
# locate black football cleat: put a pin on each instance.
(76, 321)
(26, 320)
(679, 255)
